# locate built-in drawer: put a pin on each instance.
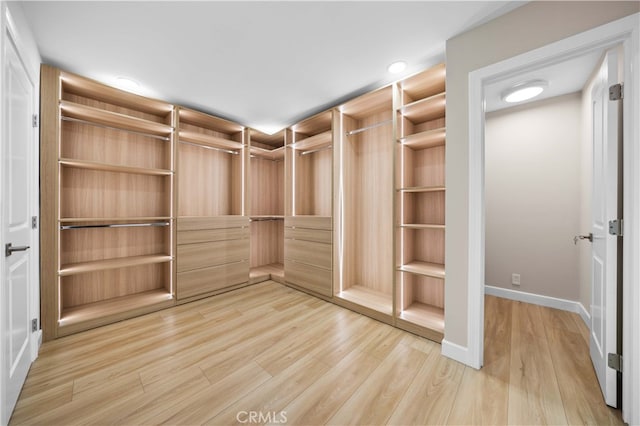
(204, 255)
(195, 223)
(308, 277)
(308, 252)
(205, 280)
(317, 235)
(311, 222)
(206, 235)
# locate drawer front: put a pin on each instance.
(206, 235)
(311, 222)
(317, 235)
(200, 281)
(308, 252)
(204, 255)
(309, 277)
(211, 222)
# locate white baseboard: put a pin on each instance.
(537, 299)
(456, 353)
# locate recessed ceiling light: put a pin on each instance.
(524, 91)
(125, 83)
(397, 67)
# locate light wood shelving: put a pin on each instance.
(420, 201)
(308, 244)
(107, 168)
(365, 276)
(212, 243)
(266, 206)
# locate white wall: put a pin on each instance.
(532, 196)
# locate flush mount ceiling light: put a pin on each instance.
(397, 67)
(524, 91)
(125, 83)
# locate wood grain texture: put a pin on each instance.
(307, 234)
(205, 280)
(309, 277)
(204, 255)
(213, 222)
(267, 242)
(266, 187)
(206, 361)
(49, 184)
(308, 222)
(308, 252)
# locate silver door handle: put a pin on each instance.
(9, 249)
(583, 237)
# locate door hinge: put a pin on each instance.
(34, 222)
(34, 120)
(34, 325)
(615, 227)
(615, 361)
(616, 92)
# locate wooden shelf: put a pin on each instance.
(69, 220)
(267, 216)
(435, 270)
(425, 83)
(424, 315)
(370, 103)
(422, 226)
(426, 139)
(269, 154)
(95, 165)
(72, 83)
(207, 121)
(208, 140)
(105, 311)
(101, 265)
(422, 189)
(426, 109)
(320, 140)
(368, 298)
(267, 270)
(113, 119)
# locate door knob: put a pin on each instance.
(9, 249)
(583, 237)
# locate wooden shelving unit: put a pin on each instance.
(308, 244)
(212, 243)
(420, 201)
(365, 276)
(107, 210)
(266, 206)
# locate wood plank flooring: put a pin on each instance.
(270, 354)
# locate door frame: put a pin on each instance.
(626, 32)
(13, 26)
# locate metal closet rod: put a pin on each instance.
(103, 126)
(372, 126)
(265, 219)
(311, 151)
(228, 151)
(114, 225)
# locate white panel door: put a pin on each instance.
(604, 256)
(18, 141)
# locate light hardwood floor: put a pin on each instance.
(276, 351)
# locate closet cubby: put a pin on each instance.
(420, 203)
(266, 206)
(107, 211)
(212, 242)
(366, 204)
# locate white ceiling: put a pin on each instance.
(262, 64)
(565, 77)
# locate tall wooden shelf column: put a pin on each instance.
(420, 203)
(266, 206)
(308, 244)
(107, 171)
(213, 229)
(364, 275)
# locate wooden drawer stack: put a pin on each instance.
(213, 254)
(307, 253)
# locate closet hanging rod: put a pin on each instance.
(228, 151)
(103, 126)
(373, 126)
(265, 219)
(114, 225)
(311, 151)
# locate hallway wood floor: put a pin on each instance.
(271, 349)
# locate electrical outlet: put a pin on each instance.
(515, 279)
